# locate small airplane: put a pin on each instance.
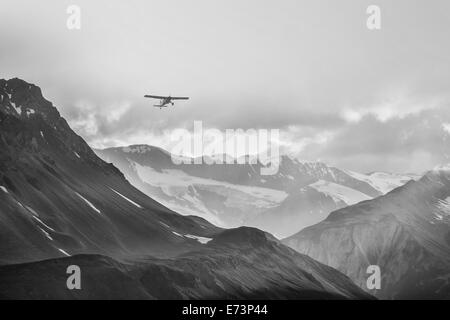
(164, 101)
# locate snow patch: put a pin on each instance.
(130, 201)
(88, 203)
(202, 240)
(77, 155)
(170, 178)
(339, 192)
(183, 193)
(165, 225)
(443, 207)
(18, 109)
(4, 189)
(41, 222)
(46, 234)
(383, 181)
(32, 211)
(30, 111)
(63, 252)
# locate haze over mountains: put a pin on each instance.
(384, 219)
(406, 233)
(231, 195)
(59, 201)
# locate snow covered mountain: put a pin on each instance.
(384, 181)
(339, 192)
(60, 204)
(231, 195)
(405, 232)
(217, 194)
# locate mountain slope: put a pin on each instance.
(238, 264)
(299, 195)
(223, 194)
(300, 209)
(59, 198)
(232, 195)
(406, 233)
(59, 201)
(309, 205)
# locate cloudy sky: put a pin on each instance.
(359, 99)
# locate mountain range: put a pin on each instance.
(230, 195)
(60, 204)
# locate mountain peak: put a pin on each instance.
(31, 122)
(25, 100)
(16, 85)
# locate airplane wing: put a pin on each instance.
(179, 98)
(154, 97)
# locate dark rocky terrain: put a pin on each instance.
(237, 264)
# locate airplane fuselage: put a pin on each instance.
(164, 102)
